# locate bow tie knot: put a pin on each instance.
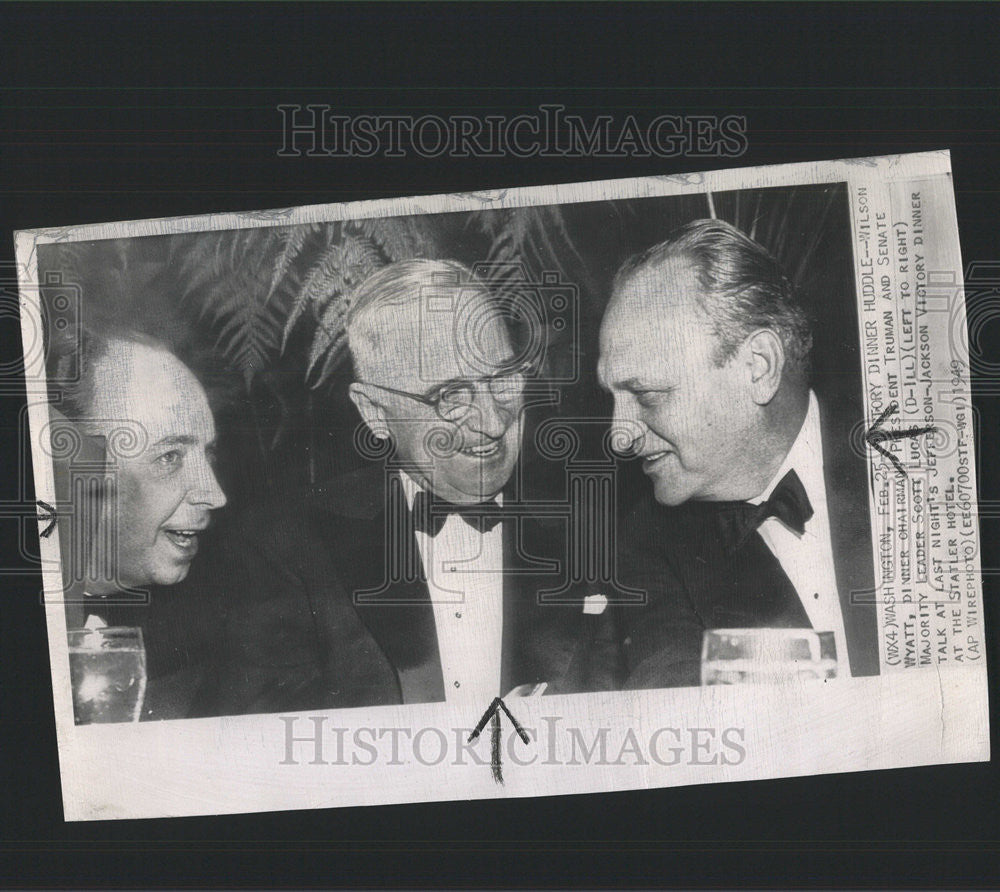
(788, 502)
(430, 514)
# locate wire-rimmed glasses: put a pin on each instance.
(454, 399)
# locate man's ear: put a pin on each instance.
(370, 410)
(767, 363)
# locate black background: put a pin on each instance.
(130, 111)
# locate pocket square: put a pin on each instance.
(527, 690)
(595, 604)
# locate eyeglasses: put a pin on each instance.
(453, 400)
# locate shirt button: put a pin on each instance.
(458, 616)
(816, 596)
(458, 684)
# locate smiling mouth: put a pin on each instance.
(649, 460)
(484, 450)
(185, 540)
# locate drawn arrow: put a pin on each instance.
(876, 436)
(492, 715)
(51, 517)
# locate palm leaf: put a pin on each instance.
(357, 258)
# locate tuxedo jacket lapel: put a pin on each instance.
(389, 591)
(850, 533)
(750, 582)
(538, 642)
(386, 581)
(761, 586)
(743, 587)
(551, 641)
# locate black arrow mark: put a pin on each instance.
(876, 437)
(492, 715)
(50, 517)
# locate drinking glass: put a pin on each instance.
(738, 656)
(107, 670)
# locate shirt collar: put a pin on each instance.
(805, 458)
(411, 488)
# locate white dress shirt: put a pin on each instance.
(93, 612)
(808, 559)
(464, 570)
(95, 621)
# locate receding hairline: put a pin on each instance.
(740, 285)
(127, 349)
(373, 323)
(405, 282)
(652, 298)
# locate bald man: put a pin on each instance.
(144, 417)
(705, 348)
(153, 416)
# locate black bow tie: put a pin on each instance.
(430, 514)
(789, 503)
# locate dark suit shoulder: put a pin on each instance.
(359, 494)
(647, 526)
(349, 497)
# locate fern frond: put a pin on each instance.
(399, 238)
(292, 240)
(326, 351)
(361, 257)
(324, 280)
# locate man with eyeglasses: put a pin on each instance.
(419, 578)
(437, 376)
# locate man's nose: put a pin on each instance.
(205, 489)
(627, 428)
(486, 416)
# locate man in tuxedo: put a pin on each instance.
(418, 578)
(145, 437)
(705, 348)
